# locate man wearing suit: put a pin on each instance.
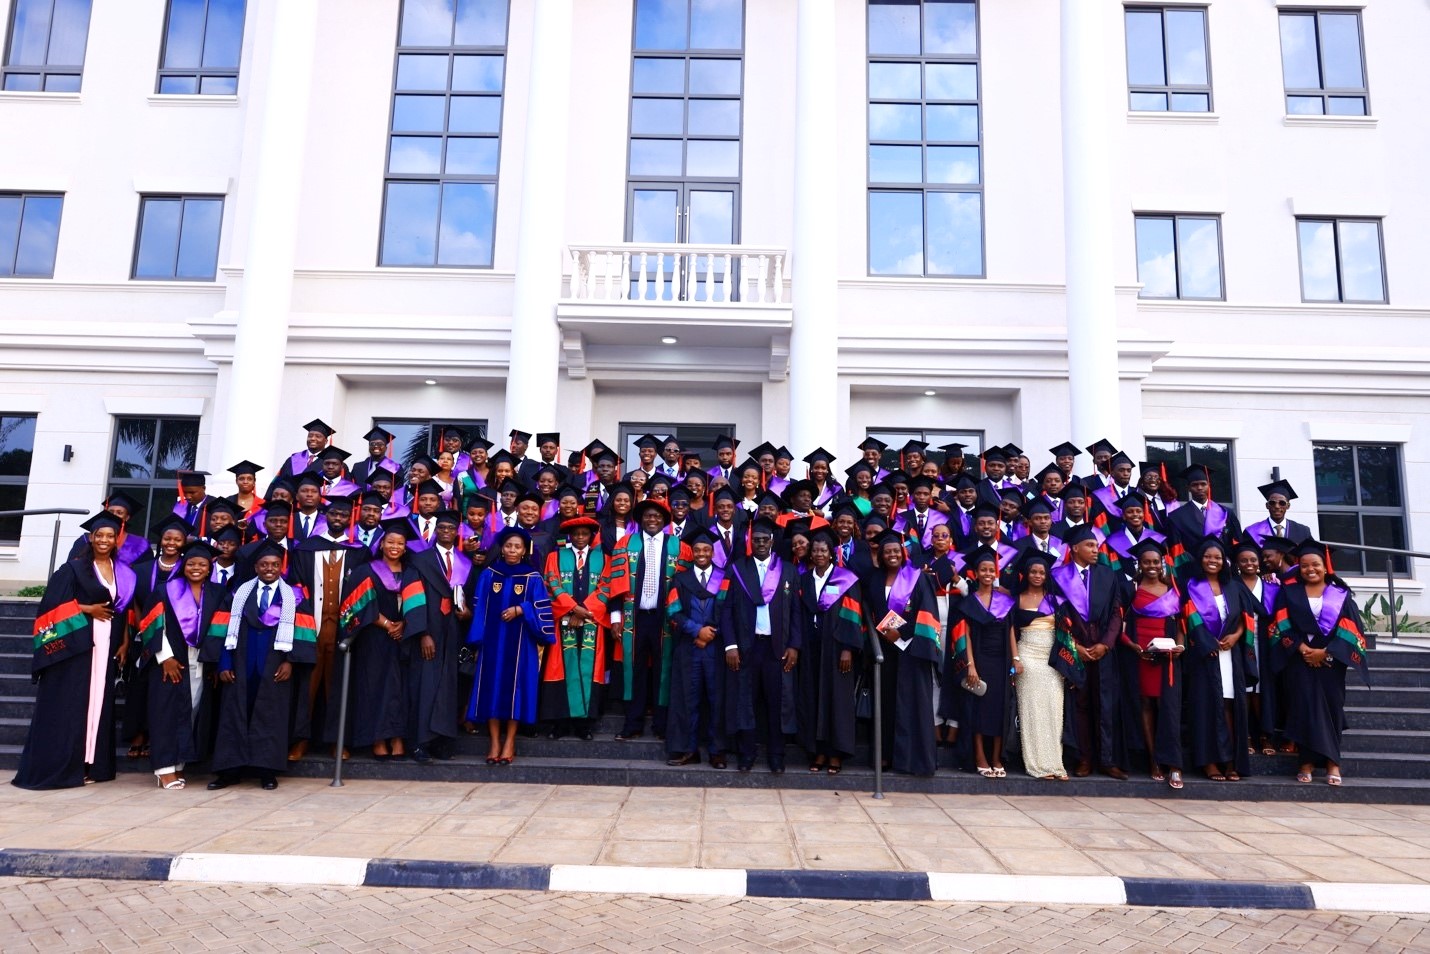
(761, 629)
(1279, 495)
(1202, 516)
(646, 563)
(433, 703)
(1094, 610)
(697, 665)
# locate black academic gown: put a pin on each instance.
(737, 628)
(908, 676)
(1098, 740)
(378, 705)
(149, 580)
(1315, 698)
(434, 705)
(1268, 685)
(175, 734)
(317, 719)
(1209, 737)
(1167, 741)
(254, 709)
(827, 697)
(691, 608)
(53, 756)
(1188, 524)
(988, 635)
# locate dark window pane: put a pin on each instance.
(178, 85)
(1340, 51)
(17, 445)
(1341, 527)
(1149, 102)
(895, 164)
(468, 216)
(1335, 477)
(198, 244)
(11, 209)
(415, 155)
(656, 157)
(1191, 103)
(1216, 456)
(715, 77)
(426, 23)
(178, 447)
(659, 116)
(1198, 257)
(1186, 47)
(955, 233)
(134, 448)
(184, 39)
(716, 25)
(1379, 470)
(895, 121)
(1347, 106)
(894, 27)
(481, 23)
(419, 113)
(476, 74)
(1300, 63)
(952, 165)
(950, 28)
(223, 36)
(894, 81)
(409, 231)
(950, 123)
(1144, 48)
(158, 238)
(475, 114)
(219, 85)
(951, 81)
(1156, 257)
(714, 117)
(422, 71)
(68, 31)
(12, 497)
(472, 156)
(896, 233)
(1383, 530)
(658, 75)
(1361, 276)
(661, 24)
(39, 236)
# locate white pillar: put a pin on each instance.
(535, 339)
(252, 406)
(814, 283)
(1087, 225)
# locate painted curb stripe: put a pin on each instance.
(1177, 893)
(405, 873)
(614, 879)
(1021, 889)
(269, 869)
(1401, 898)
(46, 863)
(839, 885)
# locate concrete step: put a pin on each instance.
(1389, 697)
(1386, 740)
(1380, 717)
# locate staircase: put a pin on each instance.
(1386, 758)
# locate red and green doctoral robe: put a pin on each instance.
(575, 670)
(622, 572)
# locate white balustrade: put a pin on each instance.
(696, 275)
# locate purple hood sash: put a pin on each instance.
(1333, 600)
(124, 583)
(1268, 595)
(902, 589)
(717, 577)
(838, 583)
(1118, 540)
(461, 568)
(298, 463)
(1215, 521)
(189, 613)
(1164, 606)
(771, 583)
(1066, 576)
(384, 575)
(1205, 601)
(998, 606)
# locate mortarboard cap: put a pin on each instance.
(873, 443)
(914, 445)
(1066, 449)
(639, 510)
(1014, 494)
(278, 508)
(764, 447)
(398, 525)
(452, 430)
(379, 475)
(447, 516)
(502, 457)
(340, 503)
(817, 455)
(429, 488)
(725, 440)
(1133, 498)
(333, 453)
(995, 453)
(227, 534)
(522, 436)
(1195, 472)
(198, 549)
(764, 525)
(267, 548)
(1012, 450)
(548, 437)
(857, 468)
(1120, 458)
(1282, 487)
(1102, 445)
(170, 522)
(317, 426)
(985, 509)
(223, 505)
(770, 499)
(964, 482)
(118, 498)
(699, 533)
(566, 490)
(480, 442)
(245, 467)
(193, 478)
(309, 478)
(1036, 506)
(725, 493)
(1050, 469)
(378, 434)
(1078, 534)
(106, 520)
(373, 499)
(783, 453)
(1148, 544)
(980, 554)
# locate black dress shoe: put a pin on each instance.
(744, 766)
(627, 736)
(587, 735)
(686, 758)
(442, 749)
(223, 781)
(777, 769)
(268, 784)
(421, 755)
(717, 761)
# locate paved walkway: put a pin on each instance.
(56, 915)
(719, 828)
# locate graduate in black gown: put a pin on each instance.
(1318, 637)
(981, 651)
(169, 535)
(181, 614)
(78, 633)
(434, 706)
(832, 658)
(270, 632)
(1219, 663)
(382, 600)
(697, 659)
(913, 650)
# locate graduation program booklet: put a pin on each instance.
(891, 621)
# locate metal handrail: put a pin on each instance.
(1390, 554)
(54, 543)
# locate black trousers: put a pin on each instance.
(646, 630)
(1094, 712)
(767, 677)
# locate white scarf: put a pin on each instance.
(283, 639)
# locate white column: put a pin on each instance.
(814, 342)
(1087, 225)
(535, 338)
(252, 406)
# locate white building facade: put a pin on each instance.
(1195, 229)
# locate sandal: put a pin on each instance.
(999, 772)
(1303, 777)
(173, 784)
(1333, 780)
(1174, 780)
(817, 765)
(1268, 749)
(1231, 775)
(135, 751)
(986, 771)
(1157, 775)
(834, 767)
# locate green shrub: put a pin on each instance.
(37, 590)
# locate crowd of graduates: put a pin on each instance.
(1071, 623)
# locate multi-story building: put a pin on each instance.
(1192, 228)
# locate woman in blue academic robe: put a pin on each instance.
(511, 621)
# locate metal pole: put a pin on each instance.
(1390, 587)
(54, 547)
(344, 647)
(878, 715)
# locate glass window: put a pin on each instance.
(148, 454)
(45, 50)
(1179, 256)
(29, 234)
(439, 196)
(937, 439)
(693, 438)
(1322, 63)
(178, 238)
(1167, 59)
(203, 43)
(1360, 500)
(1178, 453)
(1341, 260)
(414, 438)
(925, 144)
(17, 446)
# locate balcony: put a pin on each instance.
(726, 307)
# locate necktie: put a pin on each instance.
(1082, 573)
(1043, 545)
(223, 574)
(193, 513)
(1279, 531)
(427, 528)
(848, 549)
(651, 568)
(704, 578)
(265, 598)
(447, 563)
(921, 520)
(580, 560)
(307, 526)
(726, 533)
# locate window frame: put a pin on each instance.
(434, 426)
(890, 458)
(8, 271)
(1176, 220)
(1323, 92)
(43, 70)
(202, 72)
(17, 480)
(442, 178)
(139, 234)
(630, 431)
(1169, 89)
(1230, 504)
(923, 188)
(1335, 222)
(1404, 565)
(148, 486)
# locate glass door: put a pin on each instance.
(681, 214)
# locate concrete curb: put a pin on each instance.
(722, 882)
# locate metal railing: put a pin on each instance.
(1390, 554)
(54, 543)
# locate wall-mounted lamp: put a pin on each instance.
(69, 453)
